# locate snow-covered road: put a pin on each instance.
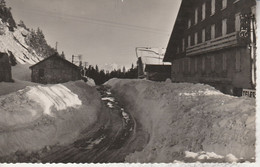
(128, 121)
(111, 139)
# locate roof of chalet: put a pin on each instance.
(55, 55)
(178, 28)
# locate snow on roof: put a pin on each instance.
(152, 56)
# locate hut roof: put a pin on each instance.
(57, 57)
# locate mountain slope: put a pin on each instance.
(13, 43)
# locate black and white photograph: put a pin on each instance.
(128, 81)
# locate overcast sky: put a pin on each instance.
(103, 31)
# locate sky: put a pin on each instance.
(102, 31)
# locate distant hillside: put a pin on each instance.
(6, 15)
(23, 45)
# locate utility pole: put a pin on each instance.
(56, 46)
(86, 63)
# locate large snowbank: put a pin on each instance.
(183, 117)
(57, 96)
(39, 116)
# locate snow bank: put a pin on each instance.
(188, 117)
(57, 96)
(91, 82)
(39, 116)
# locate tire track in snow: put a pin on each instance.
(102, 143)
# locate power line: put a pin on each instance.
(99, 21)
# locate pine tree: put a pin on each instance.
(124, 70)
(97, 69)
(2, 4)
(36, 40)
(62, 55)
(22, 24)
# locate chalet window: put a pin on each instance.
(41, 72)
(189, 41)
(196, 16)
(177, 66)
(237, 22)
(188, 65)
(238, 60)
(178, 50)
(203, 63)
(212, 62)
(224, 62)
(213, 31)
(195, 65)
(203, 35)
(183, 65)
(224, 27)
(196, 38)
(224, 4)
(213, 7)
(183, 44)
(203, 11)
(189, 23)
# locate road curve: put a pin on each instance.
(111, 139)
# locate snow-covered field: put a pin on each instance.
(39, 116)
(189, 122)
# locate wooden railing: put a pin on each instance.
(228, 40)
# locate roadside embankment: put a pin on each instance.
(185, 118)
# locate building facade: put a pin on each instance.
(5, 68)
(53, 70)
(206, 45)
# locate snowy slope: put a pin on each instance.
(25, 56)
(14, 42)
(40, 116)
(187, 122)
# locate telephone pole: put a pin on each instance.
(56, 46)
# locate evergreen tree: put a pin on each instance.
(62, 55)
(6, 15)
(2, 4)
(36, 40)
(97, 68)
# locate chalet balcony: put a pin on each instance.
(227, 41)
